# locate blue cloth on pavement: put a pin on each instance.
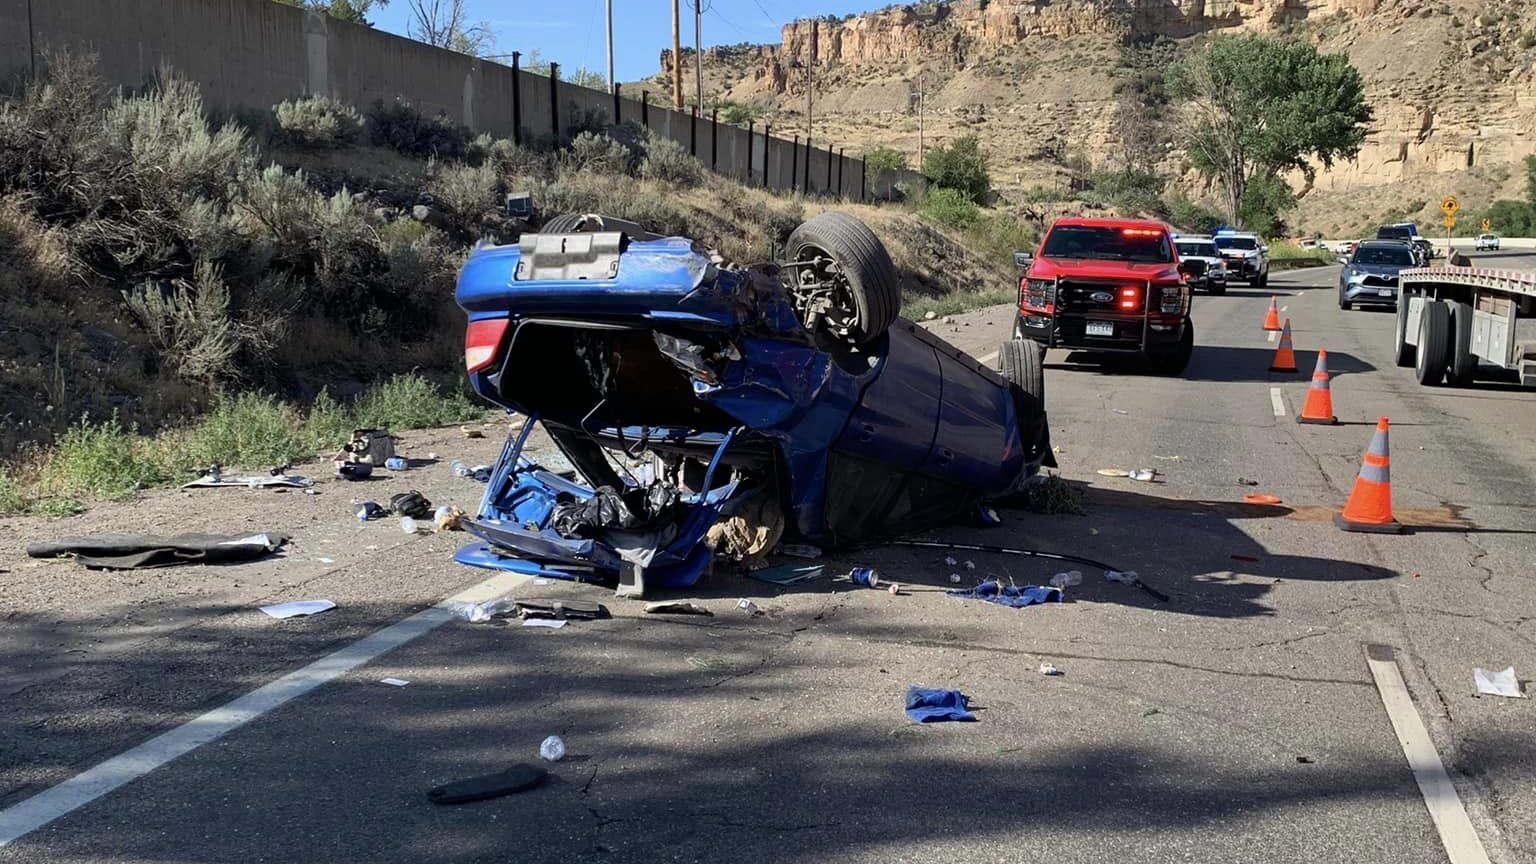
(932, 705)
(1011, 595)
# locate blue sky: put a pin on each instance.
(570, 32)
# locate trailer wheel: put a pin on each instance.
(1463, 363)
(1434, 343)
(1403, 352)
(851, 292)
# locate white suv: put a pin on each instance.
(1246, 256)
(1488, 241)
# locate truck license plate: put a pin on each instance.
(1101, 328)
(1385, 292)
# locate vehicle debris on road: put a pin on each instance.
(748, 607)
(213, 478)
(394, 682)
(935, 705)
(298, 608)
(676, 607)
(1012, 596)
(136, 551)
(1049, 670)
(1497, 683)
(787, 574)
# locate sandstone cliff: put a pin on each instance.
(1451, 81)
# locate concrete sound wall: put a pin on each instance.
(251, 54)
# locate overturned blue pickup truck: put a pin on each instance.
(779, 401)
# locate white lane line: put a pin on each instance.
(1285, 308)
(1273, 335)
(1461, 842)
(1276, 400)
(986, 359)
(27, 816)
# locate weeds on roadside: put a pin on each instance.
(1053, 495)
(100, 460)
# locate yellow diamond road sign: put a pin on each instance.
(1449, 206)
(1487, 224)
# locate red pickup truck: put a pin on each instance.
(1114, 286)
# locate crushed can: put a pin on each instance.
(865, 576)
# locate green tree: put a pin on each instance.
(355, 11)
(959, 166)
(589, 78)
(1259, 107)
(879, 160)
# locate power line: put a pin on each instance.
(765, 12)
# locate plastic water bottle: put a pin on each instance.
(477, 613)
(408, 525)
(1069, 579)
(458, 468)
(1126, 577)
(395, 463)
(553, 749)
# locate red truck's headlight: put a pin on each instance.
(1038, 295)
(1171, 302)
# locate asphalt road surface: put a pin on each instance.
(1235, 722)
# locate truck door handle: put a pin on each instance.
(946, 456)
(866, 432)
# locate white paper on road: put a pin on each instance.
(394, 682)
(1497, 683)
(551, 623)
(298, 607)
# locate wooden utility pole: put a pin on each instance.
(612, 84)
(677, 58)
(698, 53)
(810, 80)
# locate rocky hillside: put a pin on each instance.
(1451, 82)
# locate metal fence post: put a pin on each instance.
(805, 177)
(750, 136)
(554, 100)
(714, 138)
(767, 141)
(693, 133)
(829, 168)
(841, 165)
(794, 164)
(645, 109)
(618, 116)
(517, 98)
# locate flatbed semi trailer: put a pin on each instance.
(1453, 320)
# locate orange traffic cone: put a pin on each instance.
(1272, 317)
(1319, 405)
(1369, 507)
(1285, 358)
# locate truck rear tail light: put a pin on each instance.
(1128, 298)
(482, 340)
(1172, 301)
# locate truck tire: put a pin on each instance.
(1434, 343)
(1462, 362)
(565, 223)
(1344, 303)
(1403, 352)
(865, 296)
(1174, 360)
(1022, 362)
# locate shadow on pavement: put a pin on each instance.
(732, 741)
(1222, 363)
